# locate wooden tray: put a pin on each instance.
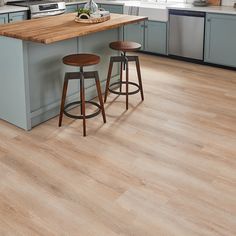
(92, 20)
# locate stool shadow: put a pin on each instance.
(121, 116)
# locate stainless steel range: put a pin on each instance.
(41, 8)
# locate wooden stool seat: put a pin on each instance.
(125, 46)
(81, 60)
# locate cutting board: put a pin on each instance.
(214, 2)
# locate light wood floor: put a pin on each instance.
(165, 167)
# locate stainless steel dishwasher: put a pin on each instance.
(186, 34)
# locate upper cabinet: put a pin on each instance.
(220, 38)
(3, 18)
(18, 16)
(112, 8)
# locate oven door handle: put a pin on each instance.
(45, 14)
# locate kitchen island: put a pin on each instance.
(31, 68)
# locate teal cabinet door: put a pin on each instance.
(220, 38)
(3, 18)
(81, 5)
(135, 32)
(112, 8)
(156, 37)
(71, 8)
(18, 16)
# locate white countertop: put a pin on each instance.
(7, 9)
(210, 9)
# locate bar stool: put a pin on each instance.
(81, 60)
(124, 47)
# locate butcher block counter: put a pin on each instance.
(31, 68)
(53, 29)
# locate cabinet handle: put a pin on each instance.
(208, 20)
(10, 20)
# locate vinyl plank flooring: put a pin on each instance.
(167, 166)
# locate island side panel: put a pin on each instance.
(46, 75)
(14, 88)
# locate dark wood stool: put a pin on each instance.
(81, 60)
(124, 47)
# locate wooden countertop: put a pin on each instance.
(57, 28)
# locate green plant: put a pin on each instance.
(82, 10)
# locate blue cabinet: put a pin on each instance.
(71, 8)
(81, 5)
(220, 38)
(156, 37)
(3, 18)
(112, 8)
(13, 17)
(152, 35)
(18, 16)
(74, 7)
(135, 32)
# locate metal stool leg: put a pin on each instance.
(121, 75)
(100, 96)
(83, 101)
(63, 99)
(81, 112)
(139, 77)
(108, 79)
(127, 84)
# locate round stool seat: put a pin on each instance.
(81, 60)
(125, 46)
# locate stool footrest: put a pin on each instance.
(80, 116)
(124, 93)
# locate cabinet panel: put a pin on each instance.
(156, 37)
(46, 72)
(17, 16)
(3, 18)
(71, 8)
(135, 32)
(113, 8)
(81, 5)
(220, 38)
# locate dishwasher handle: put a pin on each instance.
(187, 13)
